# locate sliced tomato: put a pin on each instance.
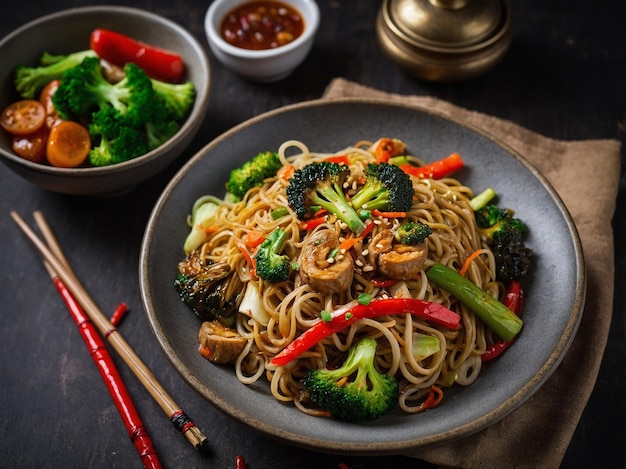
(68, 145)
(31, 147)
(23, 117)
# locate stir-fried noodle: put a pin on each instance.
(292, 306)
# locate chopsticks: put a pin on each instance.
(60, 268)
(97, 349)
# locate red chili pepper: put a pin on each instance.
(119, 49)
(240, 462)
(339, 159)
(346, 316)
(383, 283)
(119, 314)
(514, 300)
(433, 399)
(437, 169)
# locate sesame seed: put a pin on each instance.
(368, 268)
(365, 252)
(359, 263)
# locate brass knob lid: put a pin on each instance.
(444, 40)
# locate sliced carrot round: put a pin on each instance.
(68, 145)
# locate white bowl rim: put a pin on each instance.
(201, 98)
(311, 17)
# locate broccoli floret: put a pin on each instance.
(114, 140)
(505, 234)
(321, 185)
(204, 288)
(84, 89)
(252, 174)
(366, 395)
(490, 214)
(178, 97)
(412, 233)
(29, 81)
(386, 187)
(270, 265)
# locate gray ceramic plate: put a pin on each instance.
(554, 302)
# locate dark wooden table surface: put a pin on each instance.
(565, 77)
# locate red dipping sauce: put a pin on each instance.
(260, 25)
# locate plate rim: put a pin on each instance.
(513, 402)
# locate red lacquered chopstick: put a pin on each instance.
(109, 373)
(54, 257)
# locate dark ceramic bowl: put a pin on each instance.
(68, 31)
(554, 303)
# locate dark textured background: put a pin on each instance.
(565, 77)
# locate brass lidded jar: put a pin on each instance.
(444, 40)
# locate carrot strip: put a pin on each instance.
(209, 229)
(469, 260)
(286, 172)
(253, 238)
(349, 242)
(248, 257)
(379, 213)
(352, 240)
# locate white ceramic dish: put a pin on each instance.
(261, 65)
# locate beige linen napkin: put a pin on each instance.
(538, 433)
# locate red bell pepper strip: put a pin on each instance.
(437, 169)
(514, 300)
(120, 49)
(344, 317)
(312, 223)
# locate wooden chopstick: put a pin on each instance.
(179, 419)
(137, 431)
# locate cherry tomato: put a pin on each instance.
(45, 97)
(68, 145)
(23, 117)
(120, 49)
(31, 147)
